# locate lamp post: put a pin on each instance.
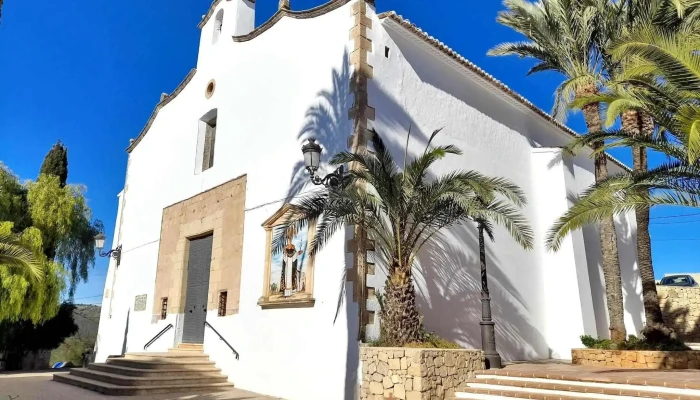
(488, 334)
(100, 244)
(312, 157)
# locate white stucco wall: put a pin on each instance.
(287, 84)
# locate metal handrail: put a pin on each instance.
(222, 338)
(156, 337)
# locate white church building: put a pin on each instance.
(220, 160)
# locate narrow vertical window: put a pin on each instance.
(222, 304)
(208, 131)
(218, 25)
(164, 308)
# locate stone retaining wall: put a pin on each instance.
(681, 309)
(416, 374)
(637, 359)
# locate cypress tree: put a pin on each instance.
(56, 163)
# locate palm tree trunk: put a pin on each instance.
(401, 322)
(636, 123)
(488, 331)
(608, 238)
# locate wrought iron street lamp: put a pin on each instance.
(100, 244)
(312, 158)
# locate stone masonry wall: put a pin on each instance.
(416, 374)
(681, 309)
(637, 359)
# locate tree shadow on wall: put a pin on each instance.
(329, 123)
(449, 288)
(326, 121)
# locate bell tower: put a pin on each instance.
(224, 19)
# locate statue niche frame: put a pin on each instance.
(275, 294)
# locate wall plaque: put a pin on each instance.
(140, 303)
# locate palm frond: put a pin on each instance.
(18, 257)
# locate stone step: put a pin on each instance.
(508, 386)
(116, 390)
(190, 346)
(140, 372)
(483, 394)
(186, 350)
(160, 364)
(530, 393)
(174, 356)
(587, 378)
(121, 380)
(578, 388)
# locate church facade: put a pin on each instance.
(219, 164)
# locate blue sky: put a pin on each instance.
(90, 72)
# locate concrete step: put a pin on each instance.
(116, 390)
(121, 380)
(505, 386)
(140, 372)
(160, 364)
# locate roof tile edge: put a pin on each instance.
(305, 14)
(162, 103)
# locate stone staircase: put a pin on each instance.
(500, 384)
(185, 369)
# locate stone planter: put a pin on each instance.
(416, 374)
(637, 359)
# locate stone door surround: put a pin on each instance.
(219, 211)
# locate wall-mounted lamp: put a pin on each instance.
(100, 244)
(312, 157)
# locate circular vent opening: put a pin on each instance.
(211, 86)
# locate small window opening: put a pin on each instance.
(370, 318)
(222, 303)
(386, 51)
(209, 126)
(218, 26)
(164, 308)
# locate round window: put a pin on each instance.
(211, 86)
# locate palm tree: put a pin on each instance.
(619, 19)
(401, 210)
(562, 37)
(15, 255)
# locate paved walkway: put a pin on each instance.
(557, 369)
(39, 386)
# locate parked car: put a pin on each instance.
(679, 280)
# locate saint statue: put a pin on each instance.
(289, 280)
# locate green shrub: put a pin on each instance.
(634, 343)
(430, 341)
